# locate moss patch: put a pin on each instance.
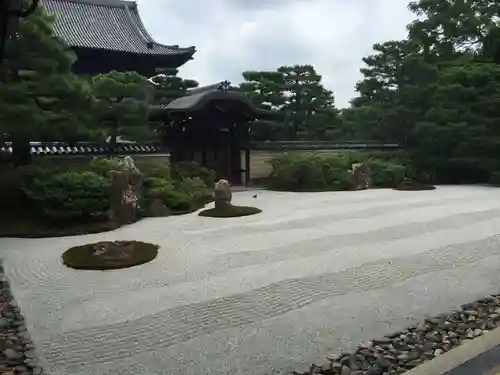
(109, 255)
(414, 186)
(230, 211)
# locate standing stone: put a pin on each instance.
(222, 194)
(125, 187)
(362, 176)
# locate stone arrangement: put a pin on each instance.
(125, 188)
(362, 176)
(17, 350)
(222, 194)
(402, 351)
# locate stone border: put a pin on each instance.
(402, 351)
(17, 351)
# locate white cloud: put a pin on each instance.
(232, 36)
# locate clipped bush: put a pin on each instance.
(495, 178)
(196, 188)
(310, 172)
(190, 169)
(154, 169)
(322, 172)
(386, 174)
(102, 165)
(177, 201)
(70, 195)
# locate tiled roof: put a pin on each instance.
(321, 145)
(113, 25)
(83, 148)
(197, 98)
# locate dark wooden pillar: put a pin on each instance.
(247, 166)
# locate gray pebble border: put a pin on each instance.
(17, 352)
(402, 351)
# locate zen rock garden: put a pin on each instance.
(260, 229)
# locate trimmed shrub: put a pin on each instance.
(386, 174)
(309, 172)
(322, 172)
(495, 178)
(190, 169)
(103, 165)
(197, 189)
(70, 195)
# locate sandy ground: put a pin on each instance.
(314, 274)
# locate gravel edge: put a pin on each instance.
(404, 350)
(17, 351)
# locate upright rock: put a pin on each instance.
(362, 176)
(222, 194)
(125, 188)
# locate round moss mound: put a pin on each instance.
(411, 185)
(109, 255)
(230, 211)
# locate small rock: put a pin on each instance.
(403, 357)
(11, 354)
(373, 371)
(432, 337)
(345, 371)
(438, 352)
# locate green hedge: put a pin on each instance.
(82, 194)
(323, 172)
(70, 195)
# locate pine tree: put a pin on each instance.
(122, 106)
(40, 99)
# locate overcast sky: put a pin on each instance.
(232, 36)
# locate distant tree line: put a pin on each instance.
(436, 92)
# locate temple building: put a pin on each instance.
(109, 35)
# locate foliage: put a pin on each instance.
(83, 257)
(310, 172)
(386, 174)
(307, 109)
(175, 200)
(189, 169)
(230, 211)
(495, 178)
(437, 92)
(196, 188)
(322, 172)
(40, 99)
(102, 166)
(168, 87)
(122, 106)
(75, 196)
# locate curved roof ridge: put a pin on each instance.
(113, 25)
(110, 3)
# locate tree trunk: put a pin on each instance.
(112, 145)
(21, 151)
